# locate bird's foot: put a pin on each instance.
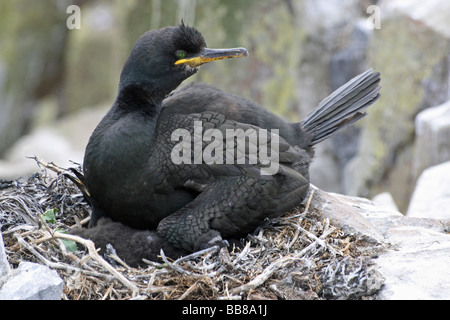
(210, 239)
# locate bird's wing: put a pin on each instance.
(237, 191)
(203, 146)
(231, 207)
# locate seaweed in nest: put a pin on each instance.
(297, 256)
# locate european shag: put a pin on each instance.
(129, 169)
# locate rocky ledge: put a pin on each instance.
(416, 262)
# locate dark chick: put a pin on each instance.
(131, 245)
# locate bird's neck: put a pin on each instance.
(141, 97)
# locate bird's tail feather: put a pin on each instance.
(343, 107)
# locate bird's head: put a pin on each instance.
(161, 59)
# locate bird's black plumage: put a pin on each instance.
(131, 177)
(131, 245)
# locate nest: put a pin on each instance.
(297, 256)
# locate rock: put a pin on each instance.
(343, 212)
(433, 14)
(4, 264)
(61, 143)
(31, 64)
(385, 199)
(418, 267)
(44, 143)
(332, 52)
(416, 259)
(31, 281)
(411, 52)
(349, 61)
(432, 142)
(431, 197)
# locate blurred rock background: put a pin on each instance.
(56, 83)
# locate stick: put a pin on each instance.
(172, 265)
(94, 254)
(197, 254)
(243, 253)
(266, 274)
(188, 291)
(47, 262)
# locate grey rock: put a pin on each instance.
(385, 154)
(418, 267)
(433, 14)
(385, 199)
(31, 281)
(432, 141)
(431, 197)
(437, 84)
(345, 213)
(31, 69)
(61, 143)
(349, 61)
(415, 263)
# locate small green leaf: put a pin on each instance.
(70, 245)
(50, 215)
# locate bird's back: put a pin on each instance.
(200, 97)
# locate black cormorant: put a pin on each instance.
(129, 170)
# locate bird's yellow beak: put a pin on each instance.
(208, 55)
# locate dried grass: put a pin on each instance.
(297, 256)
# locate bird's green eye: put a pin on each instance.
(181, 54)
